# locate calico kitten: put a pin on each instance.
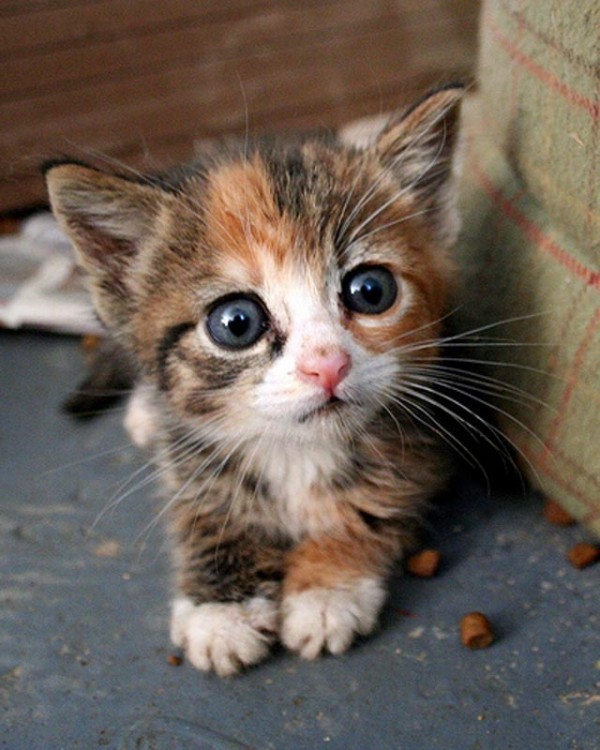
(275, 298)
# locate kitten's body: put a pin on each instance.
(295, 475)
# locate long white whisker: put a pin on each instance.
(434, 424)
(200, 491)
(497, 388)
(387, 225)
(497, 363)
(487, 424)
(85, 459)
(489, 326)
(417, 390)
(170, 450)
(243, 472)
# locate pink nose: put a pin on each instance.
(327, 370)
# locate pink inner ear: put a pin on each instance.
(326, 370)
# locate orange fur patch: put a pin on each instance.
(244, 222)
(332, 561)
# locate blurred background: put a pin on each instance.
(140, 80)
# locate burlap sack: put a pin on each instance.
(531, 244)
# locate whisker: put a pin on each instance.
(369, 193)
(490, 326)
(498, 363)
(246, 114)
(171, 449)
(85, 459)
(387, 225)
(195, 474)
(394, 199)
(429, 421)
(243, 472)
(145, 178)
(494, 388)
(417, 390)
(488, 425)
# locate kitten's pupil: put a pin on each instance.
(371, 291)
(237, 323)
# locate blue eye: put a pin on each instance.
(369, 290)
(237, 322)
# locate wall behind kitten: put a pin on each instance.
(140, 80)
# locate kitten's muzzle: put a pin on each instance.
(330, 406)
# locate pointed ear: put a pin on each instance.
(107, 218)
(420, 148)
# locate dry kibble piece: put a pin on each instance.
(424, 564)
(476, 630)
(584, 554)
(556, 514)
(175, 660)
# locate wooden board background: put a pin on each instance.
(140, 80)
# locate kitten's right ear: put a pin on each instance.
(420, 148)
(107, 219)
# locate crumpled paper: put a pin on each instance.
(41, 286)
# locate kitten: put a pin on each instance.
(276, 299)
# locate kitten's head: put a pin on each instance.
(281, 287)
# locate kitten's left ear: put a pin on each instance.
(108, 219)
(420, 148)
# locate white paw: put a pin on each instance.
(139, 421)
(329, 619)
(224, 637)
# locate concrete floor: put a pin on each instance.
(83, 619)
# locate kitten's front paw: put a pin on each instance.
(224, 637)
(329, 618)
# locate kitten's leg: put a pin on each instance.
(228, 615)
(140, 420)
(333, 591)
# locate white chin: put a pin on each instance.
(324, 411)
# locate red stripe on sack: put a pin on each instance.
(569, 54)
(534, 233)
(590, 105)
(591, 517)
(585, 500)
(578, 361)
(589, 478)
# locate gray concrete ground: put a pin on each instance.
(83, 617)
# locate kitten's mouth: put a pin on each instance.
(330, 406)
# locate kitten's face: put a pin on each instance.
(296, 330)
(281, 291)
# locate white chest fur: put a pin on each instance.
(296, 474)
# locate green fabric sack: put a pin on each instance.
(531, 241)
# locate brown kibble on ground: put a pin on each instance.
(584, 554)
(476, 631)
(425, 563)
(175, 660)
(557, 515)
